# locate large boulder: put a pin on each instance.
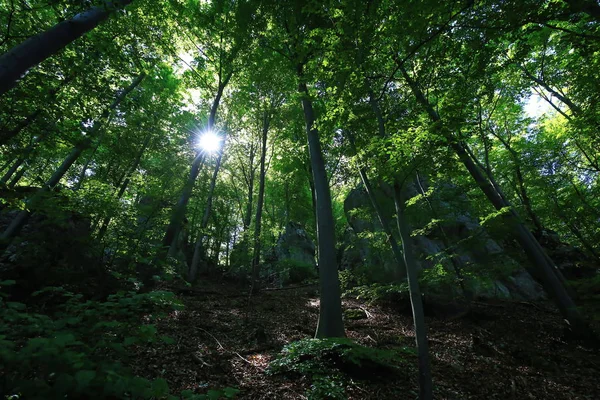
(295, 247)
(458, 239)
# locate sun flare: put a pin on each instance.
(209, 142)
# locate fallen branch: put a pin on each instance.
(290, 287)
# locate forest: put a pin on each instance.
(299, 199)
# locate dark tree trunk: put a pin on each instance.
(6, 136)
(178, 214)
(21, 219)
(198, 250)
(8, 174)
(330, 316)
(259, 204)
(544, 268)
(125, 183)
(454, 260)
(31, 52)
(401, 268)
(425, 384)
(250, 181)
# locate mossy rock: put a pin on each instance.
(353, 314)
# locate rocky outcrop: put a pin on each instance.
(456, 234)
(295, 247)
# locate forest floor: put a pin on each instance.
(503, 350)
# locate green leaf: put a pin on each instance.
(160, 388)
(84, 378)
(167, 339)
(8, 282)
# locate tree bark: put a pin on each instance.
(198, 248)
(454, 260)
(330, 312)
(17, 61)
(8, 174)
(250, 181)
(416, 301)
(259, 204)
(124, 184)
(544, 268)
(5, 137)
(21, 219)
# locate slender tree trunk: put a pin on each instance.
(425, 384)
(574, 107)
(574, 230)
(17, 61)
(544, 268)
(259, 204)
(179, 211)
(401, 268)
(6, 136)
(82, 174)
(17, 177)
(408, 262)
(124, 184)
(456, 263)
(21, 219)
(8, 175)
(250, 181)
(198, 250)
(330, 316)
(178, 214)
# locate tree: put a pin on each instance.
(36, 49)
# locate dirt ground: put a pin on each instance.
(505, 350)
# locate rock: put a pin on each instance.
(474, 249)
(355, 314)
(294, 246)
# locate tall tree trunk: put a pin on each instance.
(179, 211)
(83, 173)
(198, 248)
(521, 188)
(574, 230)
(544, 269)
(425, 384)
(454, 260)
(330, 313)
(401, 268)
(259, 204)
(6, 136)
(31, 52)
(124, 184)
(17, 177)
(250, 181)
(8, 175)
(409, 264)
(21, 219)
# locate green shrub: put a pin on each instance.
(378, 293)
(296, 272)
(330, 363)
(73, 350)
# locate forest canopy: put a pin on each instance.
(162, 156)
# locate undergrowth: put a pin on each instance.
(61, 345)
(330, 364)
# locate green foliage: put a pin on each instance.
(378, 293)
(293, 271)
(74, 348)
(330, 364)
(213, 394)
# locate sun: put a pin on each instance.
(209, 142)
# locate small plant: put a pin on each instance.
(378, 293)
(330, 363)
(74, 348)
